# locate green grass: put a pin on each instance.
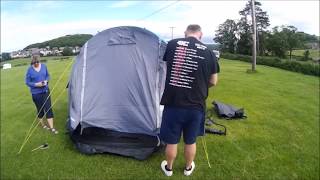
(278, 140)
(314, 54)
(19, 61)
(26, 61)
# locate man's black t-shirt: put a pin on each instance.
(189, 67)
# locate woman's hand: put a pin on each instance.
(39, 84)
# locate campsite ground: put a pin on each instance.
(278, 140)
(314, 53)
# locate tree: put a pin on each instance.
(305, 38)
(262, 23)
(306, 55)
(283, 39)
(226, 36)
(276, 43)
(244, 45)
(5, 56)
(290, 33)
(67, 51)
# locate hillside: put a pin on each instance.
(68, 40)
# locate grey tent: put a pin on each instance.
(114, 93)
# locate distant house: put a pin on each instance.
(25, 53)
(20, 54)
(14, 54)
(76, 50)
(56, 52)
(315, 46)
(45, 52)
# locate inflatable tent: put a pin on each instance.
(115, 88)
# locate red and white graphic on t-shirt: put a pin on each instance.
(183, 65)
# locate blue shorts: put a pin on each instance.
(175, 120)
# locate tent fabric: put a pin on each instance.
(95, 140)
(117, 81)
(228, 111)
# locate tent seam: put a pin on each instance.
(83, 80)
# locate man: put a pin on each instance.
(191, 69)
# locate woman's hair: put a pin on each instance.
(35, 59)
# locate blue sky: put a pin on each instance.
(26, 22)
(60, 11)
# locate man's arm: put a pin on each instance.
(213, 80)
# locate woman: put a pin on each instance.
(37, 78)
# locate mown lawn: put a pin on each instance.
(278, 140)
(314, 54)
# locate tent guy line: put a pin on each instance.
(28, 135)
(158, 10)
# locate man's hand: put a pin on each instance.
(213, 80)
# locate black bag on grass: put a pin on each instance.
(210, 122)
(228, 111)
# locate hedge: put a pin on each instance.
(290, 65)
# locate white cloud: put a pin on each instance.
(123, 4)
(302, 14)
(18, 33)
(41, 5)
(20, 30)
(208, 14)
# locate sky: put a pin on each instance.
(27, 22)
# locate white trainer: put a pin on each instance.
(189, 172)
(163, 167)
(45, 127)
(54, 131)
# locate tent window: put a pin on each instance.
(122, 40)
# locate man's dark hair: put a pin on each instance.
(193, 28)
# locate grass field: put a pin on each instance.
(314, 54)
(278, 140)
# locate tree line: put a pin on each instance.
(235, 36)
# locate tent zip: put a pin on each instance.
(157, 90)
